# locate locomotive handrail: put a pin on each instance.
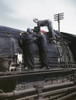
(35, 72)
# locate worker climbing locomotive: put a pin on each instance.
(35, 62)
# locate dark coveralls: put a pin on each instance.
(49, 25)
(27, 48)
(42, 45)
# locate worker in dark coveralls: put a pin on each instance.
(27, 48)
(47, 23)
(42, 45)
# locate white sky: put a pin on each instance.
(20, 13)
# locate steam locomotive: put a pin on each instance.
(14, 77)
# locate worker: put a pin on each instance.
(42, 45)
(27, 48)
(47, 23)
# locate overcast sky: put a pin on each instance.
(20, 13)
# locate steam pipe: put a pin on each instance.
(24, 92)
